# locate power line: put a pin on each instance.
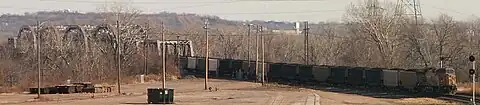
(438, 8)
(190, 6)
(281, 0)
(200, 5)
(414, 6)
(178, 7)
(162, 2)
(241, 13)
(172, 2)
(133, 2)
(445, 9)
(239, 35)
(288, 12)
(12, 7)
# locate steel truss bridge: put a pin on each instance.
(84, 35)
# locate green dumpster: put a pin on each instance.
(42, 90)
(160, 95)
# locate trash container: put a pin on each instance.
(42, 90)
(160, 95)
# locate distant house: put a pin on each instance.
(293, 31)
(287, 31)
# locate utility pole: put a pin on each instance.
(118, 57)
(38, 46)
(248, 45)
(256, 60)
(248, 42)
(164, 71)
(145, 51)
(306, 28)
(263, 57)
(177, 51)
(206, 54)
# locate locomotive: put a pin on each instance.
(441, 80)
(427, 81)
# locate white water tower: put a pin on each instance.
(297, 27)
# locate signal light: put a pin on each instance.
(471, 58)
(471, 71)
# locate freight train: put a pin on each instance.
(427, 81)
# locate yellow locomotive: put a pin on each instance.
(437, 81)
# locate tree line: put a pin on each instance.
(387, 39)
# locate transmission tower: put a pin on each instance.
(413, 8)
(373, 7)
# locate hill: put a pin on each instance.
(9, 23)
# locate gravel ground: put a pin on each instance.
(191, 92)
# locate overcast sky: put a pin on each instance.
(285, 10)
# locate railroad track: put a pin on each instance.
(460, 98)
(310, 99)
(277, 100)
(315, 100)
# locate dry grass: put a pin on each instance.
(125, 80)
(11, 89)
(153, 78)
(423, 101)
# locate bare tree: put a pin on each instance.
(327, 45)
(378, 27)
(229, 45)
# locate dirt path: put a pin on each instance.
(191, 92)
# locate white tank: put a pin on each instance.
(297, 27)
(142, 78)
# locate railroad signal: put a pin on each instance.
(471, 71)
(471, 58)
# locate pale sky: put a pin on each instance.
(284, 10)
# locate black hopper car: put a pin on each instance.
(426, 80)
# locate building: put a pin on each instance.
(294, 31)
